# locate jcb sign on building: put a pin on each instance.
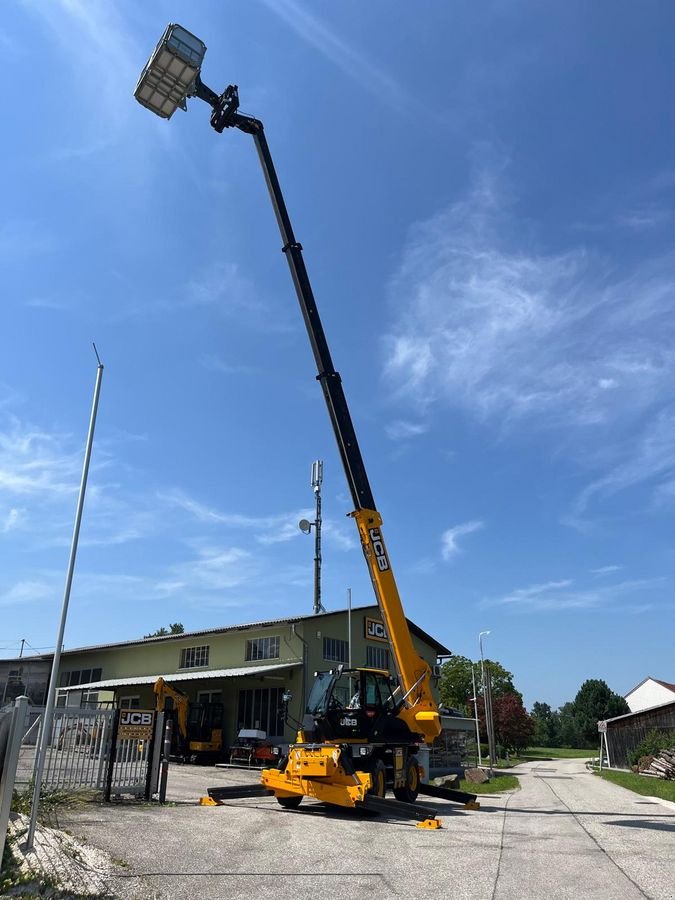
(375, 630)
(136, 724)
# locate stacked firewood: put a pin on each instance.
(663, 765)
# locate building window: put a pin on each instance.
(194, 657)
(262, 648)
(79, 676)
(209, 696)
(336, 650)
(262, 708)
(377, 658)
(130, 702)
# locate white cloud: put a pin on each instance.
(647, 457)
(26, 592)
(606, 570)
(271, 529)
(564, 596)
(35, 462)
(11, 520)
(449, 545)
(402, 430)
(352, 63)
(485, 322)
(96, 44)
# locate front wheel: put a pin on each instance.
(408, 793)
(379, 779)
(290, 802)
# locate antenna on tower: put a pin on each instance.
(306, 527)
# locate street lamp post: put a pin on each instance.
(487, 703)
(475, 712)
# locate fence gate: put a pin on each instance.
(108, 750)
(133, 742)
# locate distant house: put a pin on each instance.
(650, 692)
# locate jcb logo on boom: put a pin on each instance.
(378, 549)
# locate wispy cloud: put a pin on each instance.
(346, 57)
(569, 343)
(449, 546)
(606, 570)
(565, 596)
(25, 592)
(647, 458)
(269, 529)
(96, 44)
(216, 364)
(510, 334)
(403, 430)
(11, 520)
(33, 461)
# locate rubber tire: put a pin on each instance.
(290, 802)
(408, 793)
(379, 778)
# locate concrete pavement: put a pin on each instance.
(566, 834)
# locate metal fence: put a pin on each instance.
(84, 752)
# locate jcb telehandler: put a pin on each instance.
(342, 755)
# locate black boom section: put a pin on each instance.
(330, 380)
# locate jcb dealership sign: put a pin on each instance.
(135, 724)
(375, 630)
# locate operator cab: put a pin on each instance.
(352, 703)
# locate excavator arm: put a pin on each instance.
(180, 701)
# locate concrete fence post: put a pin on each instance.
(9, 768)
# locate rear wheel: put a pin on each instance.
(379, 779)
(290, 802)
(408, 793)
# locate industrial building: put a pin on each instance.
(247, 668)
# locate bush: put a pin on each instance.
(651, 745)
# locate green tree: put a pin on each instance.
(546, 725)
(456, 687)
(595, 701)
(570, 736)
(174, 628)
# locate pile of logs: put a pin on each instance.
(663, 765)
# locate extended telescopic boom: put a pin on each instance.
(172, 74)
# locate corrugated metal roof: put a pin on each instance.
(202, 674)
(415, 629)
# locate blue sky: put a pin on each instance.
(485, 198)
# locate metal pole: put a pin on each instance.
(8, 776)
(317, 478)
(485, 694)
(490, 722)
(349, 627)
(475, 711)
(53, 678)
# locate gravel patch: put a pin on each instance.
(61, 866)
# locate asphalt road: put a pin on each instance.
(565, 834)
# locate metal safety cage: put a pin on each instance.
(170, 74)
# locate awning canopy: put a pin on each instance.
(182, 676)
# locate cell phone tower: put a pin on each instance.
(306, 527)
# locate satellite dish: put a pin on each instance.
(305, 526)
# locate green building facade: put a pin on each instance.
(246, 667)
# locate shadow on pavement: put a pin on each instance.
(639, 823)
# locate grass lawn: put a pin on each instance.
(498, 784)
(650, 787)
(556, 753)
